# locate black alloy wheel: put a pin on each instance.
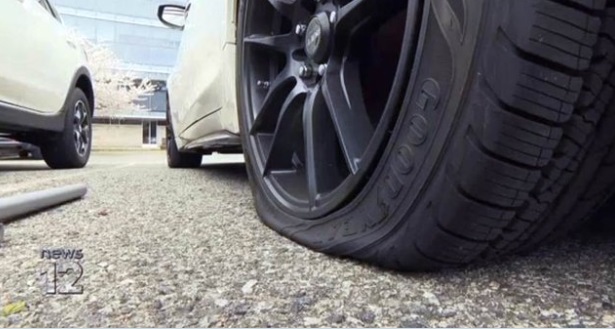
(81, 128)
(320, 85)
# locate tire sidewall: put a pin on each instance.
(172, 152)
(176, 158)
(170, 140)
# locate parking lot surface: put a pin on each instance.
(171, 248)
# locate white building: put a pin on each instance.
(131, 30)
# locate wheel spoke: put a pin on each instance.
(77, 140)
(77, 119)
(84, 117)
(282, 43)
(288, 125)
(344, 98)
(291, 9)
(320, 146)
(357, 12)
(86, 134)
(273, 101)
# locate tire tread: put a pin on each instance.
(537, 110)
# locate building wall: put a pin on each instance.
(116, 136)
(162, 136)
(132, 31)
(129, 28)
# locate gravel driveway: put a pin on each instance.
(185, 248)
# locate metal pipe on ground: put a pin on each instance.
(24, 204)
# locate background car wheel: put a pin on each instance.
(426, 134)
(71, 148)
(177, 159)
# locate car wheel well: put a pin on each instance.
(85, 85)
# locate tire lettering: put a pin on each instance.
(403, 162)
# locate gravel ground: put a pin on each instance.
(185, 248)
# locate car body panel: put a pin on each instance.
(37, 64)
(202, 87)
(19, 119)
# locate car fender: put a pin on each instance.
(18, 118)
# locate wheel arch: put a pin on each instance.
(83, 81)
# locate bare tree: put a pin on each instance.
(117, 90)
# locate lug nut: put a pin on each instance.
(305, 71)
(332, 17)
(300, 29)
(262, 84)
(322, 69)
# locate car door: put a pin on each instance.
(13, 65)
(37, 63)
(197, 83)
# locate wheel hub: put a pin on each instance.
(317, 38)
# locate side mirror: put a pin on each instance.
(172, 16)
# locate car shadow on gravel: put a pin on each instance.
(228, 171)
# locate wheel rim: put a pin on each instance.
(81, 128)
(319, 96)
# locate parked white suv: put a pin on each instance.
(46, 92)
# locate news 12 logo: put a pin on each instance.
(61, 272)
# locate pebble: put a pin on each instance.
(311, 322)
(412, 323)
(241, 309)
(367, 316)
(14, 319)
(448, 312)
(301, 303)
(431, 299)
(221, 303)
(337, 318)
(248, 287)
